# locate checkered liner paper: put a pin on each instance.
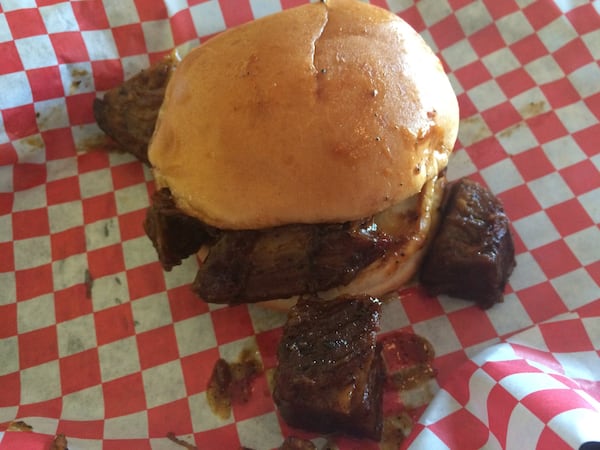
(98, 343)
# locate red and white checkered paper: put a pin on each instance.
(123, 363)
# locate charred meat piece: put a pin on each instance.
(175, 235)
(472, 255)
(253, 265)
(329, 373)
(250, 266)
(128, 112)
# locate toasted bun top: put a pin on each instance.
(327, 112)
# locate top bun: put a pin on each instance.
(327, 112)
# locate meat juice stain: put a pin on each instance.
(408, 366)
(231, 383)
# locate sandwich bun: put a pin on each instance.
(324, 113)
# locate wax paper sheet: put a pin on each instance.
(97, 342)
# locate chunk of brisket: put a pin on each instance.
(128, 113)
(329, 373)
(280, 262)
(472, 255)
(174, 234)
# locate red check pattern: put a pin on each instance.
(97, 342)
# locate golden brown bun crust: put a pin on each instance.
(323, 113)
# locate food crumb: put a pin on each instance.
(59, 443)
(88, 280)
(232, 382)
(19, 425)
(171, 436)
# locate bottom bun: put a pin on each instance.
(413, 222)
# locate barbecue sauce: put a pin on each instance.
(231, 383)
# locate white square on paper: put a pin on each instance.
(102, 233)
(473, 17)
(473, 129)
(10, 5)
(530, 103)
(459, 54)
(32, 252)
(563, 152)
(65, 216)
(36, 52)
(557, 34)
(118, 359)
(432, 11)
(86, 404)
(502, 176)
(163, 384)
(536, 230)
(393, 316)
(69, 271)
(40, 383)
(35, 313)
(121, 12)
(203, 418)
(181, 275)
(14, 90)
(585, 244)
(440, 333)
(138, 252)
(264, 319)
(110, 291)
(6, 229)
(460, 165)
(100, 44)
(6, 179)
(158, 35)
(175, 6)
(514, 27)
(576, 288)
(517, 139)
(524, 428)
(8, 293)
(207, 18)
(77, 78)
(59, 18)
(509, 316)
(9, 349)
(95, 183)
(5, 34)
(550, 190)
(59, 169)
(544, 70)
(261, 8)
(131, 426)
(260, 432)
(195, 334)
(486, 95)
(76, 335)
(586, 79)
(500, 62)
(591, 40)
(576, 117)
(52, 114)
(132, 198)
(580, 365)
(527, 272)
(151, 312)
(590, 202)
(30, 199)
